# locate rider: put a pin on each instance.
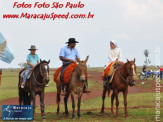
(32, 61)
(68, 55)
(145, 71)
(115, 54)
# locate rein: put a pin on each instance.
(130, 75)
(41, 75)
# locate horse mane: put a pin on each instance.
(38, 65)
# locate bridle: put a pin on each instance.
(130, 75)
(41, 75)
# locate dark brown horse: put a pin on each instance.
(75, 86)
(35, 86)
(124, 76)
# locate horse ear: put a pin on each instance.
(40, 60)
(127, 60)
(134, 60)
(78, 60)
(86, 59)
(48, 61)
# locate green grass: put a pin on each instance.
(90, 109)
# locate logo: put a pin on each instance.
(17, 112)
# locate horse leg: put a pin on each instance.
(34, 104)
(58, 98)
(73, 105)
(112, 103)
(79, 103)
(20, 97)
(125, 102)
(65, 102)
(103, 99)
(42, 105)
(117, 103)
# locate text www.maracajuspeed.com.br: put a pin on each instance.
(52, 16)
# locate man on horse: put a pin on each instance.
(32, 61)
(68, 55)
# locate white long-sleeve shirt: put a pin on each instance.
(114, 54)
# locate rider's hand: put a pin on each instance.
(72, 61)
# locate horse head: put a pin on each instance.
(82, 69)
(131, 70)
(44, 70)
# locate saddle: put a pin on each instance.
(29, 75)
(66, 73)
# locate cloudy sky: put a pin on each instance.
(136, 25)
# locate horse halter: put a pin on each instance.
(130, 75)
(41, 75)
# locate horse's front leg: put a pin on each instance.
(65, 102)
(117, 102)
(103, 99)
(125, 102)
(112, 103)
(79, 103)
(73, 105)
(42, 105)
(34, 104)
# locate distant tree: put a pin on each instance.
(22, 65)
(147, 61)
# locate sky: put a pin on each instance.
(135, 24)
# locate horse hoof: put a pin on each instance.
(44, 120)
(34, 120)
(73, 119)
(102, 111)
(80, 118)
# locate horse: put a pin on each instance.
(124, 76)
(35, 85)
(75, 86)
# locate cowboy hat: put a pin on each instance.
(33, 47)
(72, 40)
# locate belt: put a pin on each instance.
(66, 64)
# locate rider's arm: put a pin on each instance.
(120, 55)
(30, 64)
(67, 60)
(110, 57)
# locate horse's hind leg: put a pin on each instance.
(112, 103)
(103, 99)
(117, 102)
(42, 105)
(65, 102)
(58, 100)
(20, 98)
(125, 102)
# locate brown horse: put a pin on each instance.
(124, 76)
(35, 86)
(75, 86)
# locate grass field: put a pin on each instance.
(141, 106)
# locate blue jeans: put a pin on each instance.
(61, 77)
(146, 75)
(26, 75)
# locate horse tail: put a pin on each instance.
(20, 92)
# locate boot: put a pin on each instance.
(63, 92)
(22, 85)
(85, 89)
